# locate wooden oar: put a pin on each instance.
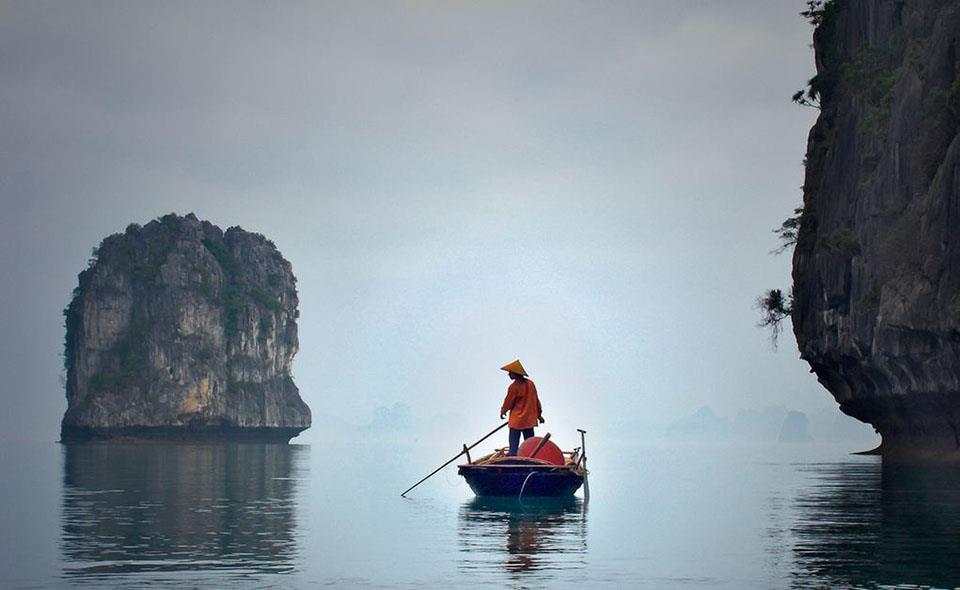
(543, 441)
(583, 447)
(404, 494)
(583, 459)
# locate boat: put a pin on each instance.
(540, 469)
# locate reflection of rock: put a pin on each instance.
(543, 534)
(166, 507)
(796, 428)
(863, 525)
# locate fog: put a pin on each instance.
(590, 188)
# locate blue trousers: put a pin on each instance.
(515, 438)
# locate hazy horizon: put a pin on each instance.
(591, 189)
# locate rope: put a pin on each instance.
(524, 486)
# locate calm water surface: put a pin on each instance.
(274, 516)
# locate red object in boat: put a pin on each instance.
(550, 452)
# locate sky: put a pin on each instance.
(589, 187)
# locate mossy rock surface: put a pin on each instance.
(179, 325)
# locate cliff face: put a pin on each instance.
(876, 269)
(178, 329)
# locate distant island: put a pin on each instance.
(769, 425)
(179, 330)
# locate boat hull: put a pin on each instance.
(509, 480)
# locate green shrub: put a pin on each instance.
(222, 255)
(789, 231)
(265, 299)
(822, 14)
(871, 298)
(233, 303)
(774, 308)
(129, 357)
(841, 241)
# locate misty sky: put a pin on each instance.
(590, 187)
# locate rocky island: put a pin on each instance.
(180, 330)
(876, 269)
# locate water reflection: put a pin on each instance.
(134, 508)
(505, 536)
(863, 524)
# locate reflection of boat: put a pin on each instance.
(539, 470)
(539, 537)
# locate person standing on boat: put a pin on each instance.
(522, 403)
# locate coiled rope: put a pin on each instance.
(524, 486)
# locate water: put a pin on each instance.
(274, 516)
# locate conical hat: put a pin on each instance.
(514, 367)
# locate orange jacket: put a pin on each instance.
(523, 403)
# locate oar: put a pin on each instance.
(404, 494)
(543, 441)
(583, 459)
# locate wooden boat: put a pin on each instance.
(499, 474)
(552, 473)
